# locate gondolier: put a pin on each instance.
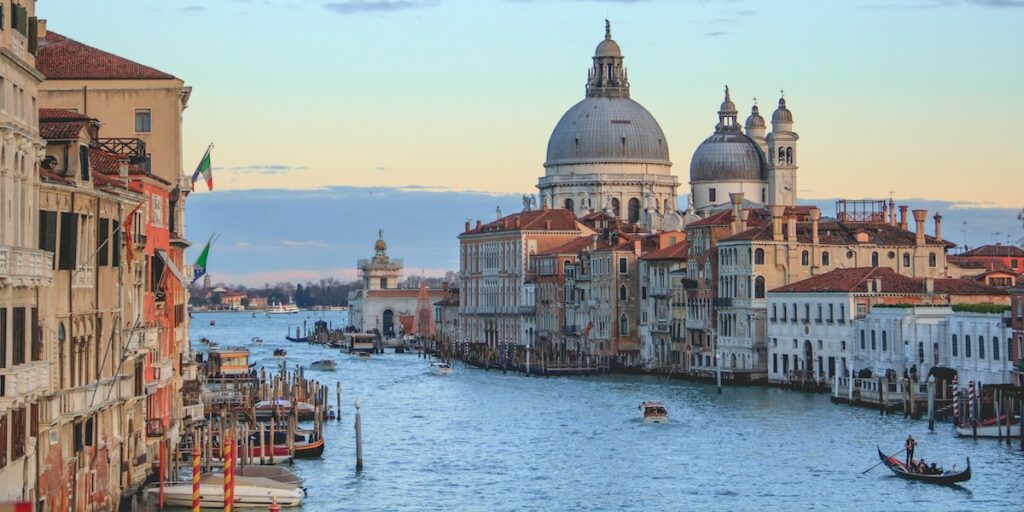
(909, 446)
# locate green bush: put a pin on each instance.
(981, 308)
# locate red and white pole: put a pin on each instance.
(229, 472)
(956, 402)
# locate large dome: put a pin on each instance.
(728, 156)
(603, 129)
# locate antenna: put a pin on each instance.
(965, 235)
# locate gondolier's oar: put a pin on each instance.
(881, 461)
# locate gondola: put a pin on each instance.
(946, 478)
(304, 339)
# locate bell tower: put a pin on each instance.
(782, 157)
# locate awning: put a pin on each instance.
(170, 266)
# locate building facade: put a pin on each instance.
(661, 294)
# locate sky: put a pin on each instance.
(451, 102)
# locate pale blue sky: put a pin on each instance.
(918, 97)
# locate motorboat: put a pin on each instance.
(990, 429)
(265, 409)
(307, 443)
(250, 492)
(363, 355)
(653, 412)
(275, 473)
(326, 365)
(256, 340)
(441, 368)
(280, 353)
(283, 309)
(901, 470)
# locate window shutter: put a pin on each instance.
(3, 338)
(18, 331)
(37, 345)
(83, 159)
(102, 243)
(68, 240)
(33, 35)
(115, 243)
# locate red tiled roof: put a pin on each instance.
(531, 220)
(63, 58)
(61, 114)
(673, 252)
(854, 280)
(996, 251)
(834, 232)
(979, 263)
(573, 246)
(61, 130)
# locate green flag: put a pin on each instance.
(204, 170)
(199, 269)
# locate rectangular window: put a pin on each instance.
(37, 342)
(3, 439)
(148, 164)
(48, 231)
(622, 265)
(103, 242)
(68, 241)
(831, 313)
(115, 243)
(83, 160)
(143, 120)
(18, 336)
(712, 195)
(842, 313)
(17, 433)
(3, 338)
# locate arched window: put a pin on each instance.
(569, 205)
(622, 292)
(634, 210)
(782, 155)
(759, 256)
(981, 347)
(805, 258)
(874, 259)
(995, 349)
(967, 346)
(906, 259)
(824, 259)
(955, 346)
(615, 207)
(623, 325)
(932, 260)
(789, 155)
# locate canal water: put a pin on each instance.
(478, 440)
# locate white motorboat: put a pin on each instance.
(256, 340)
(283, 309)
(989, 431)
(250, 492)
(326, 365)
(441, 368)
(653, 412)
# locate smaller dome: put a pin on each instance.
(782, 114)
(728, 156)
(608, 48)
(755, 120)
(727, 104)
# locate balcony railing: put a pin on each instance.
(83, 400)
(723, 302)
(20, 266)
(661, 327)
(26, 379)
(82, 277)
(661, 291)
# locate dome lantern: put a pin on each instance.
(727, 114)
(607, 77)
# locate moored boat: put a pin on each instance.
(441, 368)
(653, 412)
(307, 443)
(326, 365)
(280, 353)
(265, 409)
(363, 355)
(993, 431)
(901, 470)
(250, 492)
(256, 340)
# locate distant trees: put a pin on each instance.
(327, 292)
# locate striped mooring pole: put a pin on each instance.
(229, 472)
(970, 400)
(195, 476)
(956, 402)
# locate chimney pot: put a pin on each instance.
(919, 216)
(478, 223)
(903, 217)
(938, 226)
(792, 228)
(929, 285)
(777, 211)
(467, 226)
(892, 212)
(815, 217)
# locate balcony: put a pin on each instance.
(661, 291)
(82, 277)
(154, 427)
(661, 327)
(26, 380)
(689, 284)
(25, 267)
(723, 302)
(144, 339)
(83, 400)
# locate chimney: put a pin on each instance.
(878, 285)
(41, 29)
(737, 205)
(929, 285)
(938, 226)
(517, 222)
(478, 223)
(467, 226)
(743, 219)
(903, 217)
(636, 246)
(815, 217)
(892, 212)
(122, 168)
(919, 216)
(547, 224)
(777, 212)
(791, 228)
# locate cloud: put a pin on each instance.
(348, 7)
(998, 3)
(192, 8)
(263, 168)
(716, 33)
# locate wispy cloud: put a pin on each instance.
(192, 8)
(304, 243)
(716, 33)
(998, 3)
(263, 168)
(348, 7)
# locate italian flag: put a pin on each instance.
(204, 170)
